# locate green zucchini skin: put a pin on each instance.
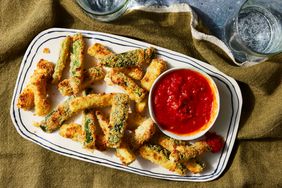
(62, 61)
(89, 125)
(134, 91)
(89, 128)
(77, 62)
(57, 117)
(131, 58)
(118, 117)
(159, 155)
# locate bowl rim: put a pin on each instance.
(96, 13)
(216, 106)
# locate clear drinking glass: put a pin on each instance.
(256, 32)
(104, 10)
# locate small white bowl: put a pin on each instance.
(205, 128)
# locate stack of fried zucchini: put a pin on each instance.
(128, 130)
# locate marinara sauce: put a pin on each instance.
(182, 101)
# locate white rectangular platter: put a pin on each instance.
(226, 124)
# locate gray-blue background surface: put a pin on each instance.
(214, 13)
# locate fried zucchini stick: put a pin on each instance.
(91, 101)
(73, 131)
(169, 143)
(193, 165)
(183, 153)
(39, 80)
(103, 122)
(100, 52)
(90, 76)
(143, 133)
(135, 92)
(41, 103)
(118, 117)
(138, 58)
(104, 125)
(62, 61)
(160, 156)
(89, 129)
(156, 67)
(77, 61)
(57, 117)
(34, 94)
(125, 154)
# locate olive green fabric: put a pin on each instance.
(256, 157)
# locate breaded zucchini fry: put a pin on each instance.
(103, 122)
(39, 80)
(124, 153)
(169, 143)
(132, 58)
(160, 156)
(90, 76)
(143, 133)
(184, 153)
(62, 61)
(89, 129)
(99, 51)
(156, 67)
(104, 125)
(39, 86)
(118, 117)
(77, 61)
(35, 92)
(57, 117)
(193, 165)
(91, 101)
(26, 98)
(73, 131)
(135, 92)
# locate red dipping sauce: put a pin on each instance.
(183, 102)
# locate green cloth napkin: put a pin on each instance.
(256, 157)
